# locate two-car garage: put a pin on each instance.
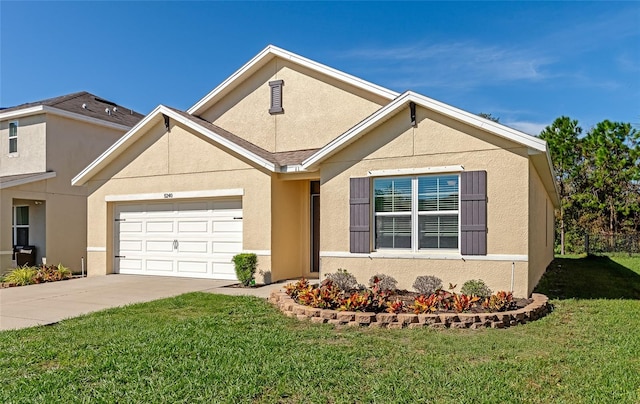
(192, 238)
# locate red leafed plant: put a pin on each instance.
(395, 307)
(462, 302)
(357, 301)
(425, 304)
(499, 301)
(293, 289)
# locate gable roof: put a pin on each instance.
(22, 179)
(266, 55)
(218, 135)
(81, 105)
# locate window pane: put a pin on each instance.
(393, 232)
(392, 194)
(13, 129)
(13, 145)
(438, 232)
(22, 215)
(22, 234)
(438, 193)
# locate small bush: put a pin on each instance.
(476, 288)
(21, 276)
(427, 284)
(343, 280)
(245, 264)
(384, 282)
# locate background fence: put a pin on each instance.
(612, 243)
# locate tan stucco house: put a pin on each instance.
(314, 170)
(43, 145)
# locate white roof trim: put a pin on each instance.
(273, 51)
(40, 109)
(28, 180)
(112, 152)
(388, 110)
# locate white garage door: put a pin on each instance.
(187, 239)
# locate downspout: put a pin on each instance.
(513, 274)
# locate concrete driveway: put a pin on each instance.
(48, 303)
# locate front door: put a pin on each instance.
(315, 226)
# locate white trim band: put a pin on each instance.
(6, 252)
(427, 256)
(96, 249)
(214, 193)
(415, 171)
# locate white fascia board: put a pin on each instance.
(114, 150)
(385, 112)
(477, 121)
(355, 131)
(221, 140)
(272, 51)
(415, 171)
(137, 131)
(170, 195)
(28, 180)
(82, 118)
(21, 112)
(296, 168)
(40, 109)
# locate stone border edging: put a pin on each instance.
(533, 311)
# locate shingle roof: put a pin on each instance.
(95, 107)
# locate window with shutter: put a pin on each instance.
(13, 137)
(473, 208)
(276, 97)
(359, 213)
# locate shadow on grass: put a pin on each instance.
(591, 277)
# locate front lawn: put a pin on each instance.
(211, 348)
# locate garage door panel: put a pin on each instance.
(160, 265)
(130, 227)
(193, 247)
(193, 267)
(227, 226)
(130, 264)
(159, 226)
(193, 227)
(159, 246)
(190, 239)
(130, 246)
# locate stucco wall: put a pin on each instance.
(314, 108)
(171, 162)
(437, 141)
(30, 157)
(541, 225)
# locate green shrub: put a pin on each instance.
(427, 284)
(343, 280)
(476, 288)
(21, 276)
(245, 265)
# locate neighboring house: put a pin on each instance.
(43, 145)
(315, 170)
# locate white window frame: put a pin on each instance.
(14, 137)
(14, 223)
(415, 215)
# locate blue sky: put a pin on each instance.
(526, 63)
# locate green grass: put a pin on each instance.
(212, 348)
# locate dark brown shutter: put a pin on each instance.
(473, 212)
(276, 97)
(359, 215)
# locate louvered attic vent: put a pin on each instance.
(276, 97)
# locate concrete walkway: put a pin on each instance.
(48, 303)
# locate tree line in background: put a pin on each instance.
(598, 177)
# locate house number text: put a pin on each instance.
(169, 195)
